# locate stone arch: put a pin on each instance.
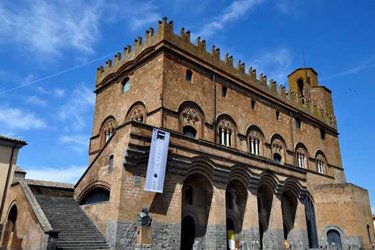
(96, 192)
(191, 115)
(265, 196)
(92, 185)
(107, 129)
(278, 148)
(10, 239)
(289, 203)
(226, 130)
(255, 140)
(137, 112)
(238, 172)
(339, 243)
(202, 191)
(301, 156)
(235, 202)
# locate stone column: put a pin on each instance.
(273, 238)
(298, 235)
(216, 237)
(250, 226)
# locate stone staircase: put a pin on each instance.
(76, 230)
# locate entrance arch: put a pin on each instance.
(334, 238)
(288, 208)
(10, 229)
(235, 200)
(196, 203)
(187, 233)
(265, 199)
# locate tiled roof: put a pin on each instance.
(8, 141)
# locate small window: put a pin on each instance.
(277, 158)
(322, 134)
(224, 91)
(188, 75)
(110, 163)
(301, 89)
(253, 104)
(277, 115)
(126, 85)
(190, 132)
(298, 123)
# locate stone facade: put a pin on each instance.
(245, 156)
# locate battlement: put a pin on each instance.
(249, 77)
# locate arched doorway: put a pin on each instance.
(187, 233)
(265, 198)
(196, 203)
(334, 239)
(235, 199)
(10, 228)
(288, 208)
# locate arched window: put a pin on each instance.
(277, 115)
(278, 149)
(188, 75)
(255, 137)
(190, 132)
(277, 158)
(137, 113)
(334, 239)
(225, 132)
(108, 129)
(301, 156)
(320, 161)
(96, 195)
(110, 163)
(191, 120)
(125, 85)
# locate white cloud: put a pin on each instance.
(59, 92)
(47, 27)
(276, 64)
(68, 175)
(77, 142)
(77, 110)
(366, 64)
(13, 118)
(236, 10)
(35, 100)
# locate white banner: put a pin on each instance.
(157, 161)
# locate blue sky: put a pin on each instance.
(50, 50)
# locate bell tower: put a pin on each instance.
(304, 82)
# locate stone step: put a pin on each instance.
(76, 230)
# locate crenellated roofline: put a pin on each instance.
(165, 33)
